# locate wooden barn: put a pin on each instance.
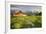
(19, 13)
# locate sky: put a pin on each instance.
(26, 7)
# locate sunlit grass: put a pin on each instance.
(25, 22)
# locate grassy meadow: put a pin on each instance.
(18, 22)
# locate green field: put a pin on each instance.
(18, 22)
